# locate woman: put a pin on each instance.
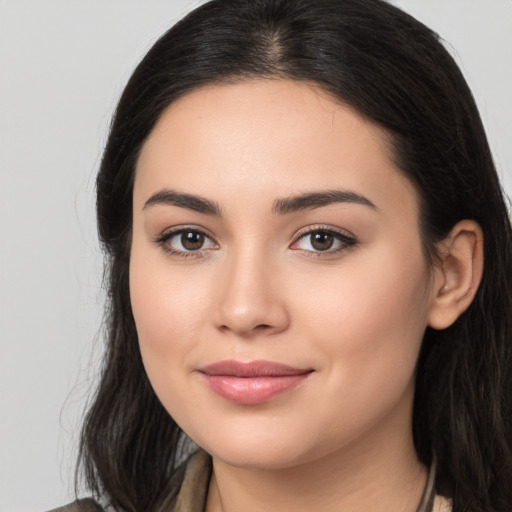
(309, 260)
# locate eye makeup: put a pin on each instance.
(314, 241)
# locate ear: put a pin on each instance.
(458, 273)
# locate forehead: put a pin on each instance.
(268, 135)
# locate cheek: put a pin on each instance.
(169, 311)
(371, 314)
(168, 325)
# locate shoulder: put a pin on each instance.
(85, 505)
(194, 475)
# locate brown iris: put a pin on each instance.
(191, 240)
(322, 241)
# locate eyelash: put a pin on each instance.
(347, 241)
(164, 238)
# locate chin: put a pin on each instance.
(257, 458)
(264, 450)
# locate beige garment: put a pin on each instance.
(442, 504)
(194, 489)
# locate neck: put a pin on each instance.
(379, 473)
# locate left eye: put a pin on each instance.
(323, 241)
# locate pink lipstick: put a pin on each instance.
(254, 382)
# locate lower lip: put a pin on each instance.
(253, 390)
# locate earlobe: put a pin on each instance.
(457, 275)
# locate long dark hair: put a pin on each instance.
(394, 71)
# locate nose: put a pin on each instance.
(251, 300)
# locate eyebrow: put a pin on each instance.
(189, 201)
(310, 201)
(284, 206)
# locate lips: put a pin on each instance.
(254, 382)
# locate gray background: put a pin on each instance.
(63, 64)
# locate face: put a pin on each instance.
(277, 280)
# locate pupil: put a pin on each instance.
(322, 241)
(192, 241)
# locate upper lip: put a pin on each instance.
(258, 368)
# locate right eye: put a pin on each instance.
(186, 242)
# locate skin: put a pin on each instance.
(258, 289)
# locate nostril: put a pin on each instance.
(249, 332)
(263, 327)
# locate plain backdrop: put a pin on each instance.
(63, 64)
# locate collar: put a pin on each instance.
(194, 489)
